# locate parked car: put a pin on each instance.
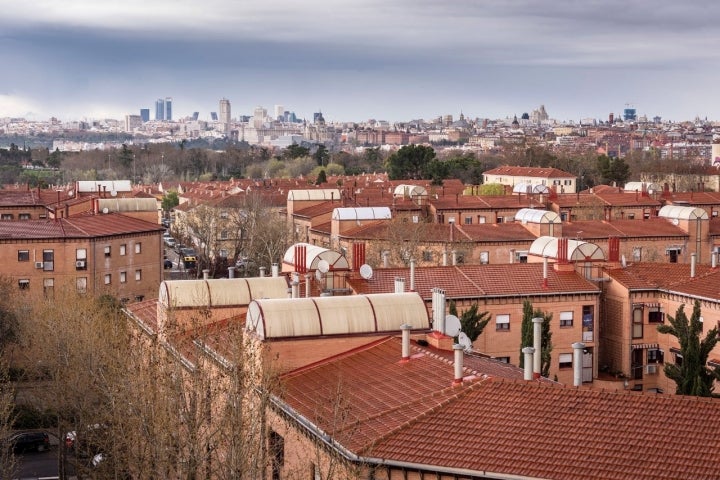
(27, 441)
(170, 242)
(178, 248)
(167, 264)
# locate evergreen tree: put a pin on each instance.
(473, 323)
(691, 375)
(527, 336)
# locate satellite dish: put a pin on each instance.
(464, 340)
(71, 193)
(318, 275)
(366, 271)
(106, 210)
(452, 326)
(113, 193)
(323, 266)
(675, 221)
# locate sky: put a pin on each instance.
(357, 60)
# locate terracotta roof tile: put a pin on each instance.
(540, 172)
(81, 226)
(598, 229)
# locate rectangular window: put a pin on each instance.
(637, 323)
(123, 249)
(108, 278)
(427, 255)
(468, 220)
(521, 256)
(565, 360)
(81, 284)
(138, 275)
(80, 254)
(123, 277)
(655, 355)
(678, 356)
(223, 253)
(502, 322)
(24, 284)
(481, 219)
(138, 247)
(6, 216)
(223, 235)
(24, 216)
(503, 359)
(107, 251)
(484, 257)
(637, 254)
(23, 255)
(48, 260)
(566, 319)
(656, 315)
(631, 216)
(48, 287)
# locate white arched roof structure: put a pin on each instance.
(314, 194)
(313, 254)
(632, 187)
(409, 191)
(531, 215)
(223, 292)
(577, 249)
(352, 314)
(530, 188)
(108, 186)
(128, 204)
(680, 212)
(362, 213)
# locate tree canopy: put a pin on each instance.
(410, 162)
(613, 170)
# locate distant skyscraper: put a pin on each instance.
(145, 114)
(213, 116)
(259, 117)
(629, 114)
(195, 115)
(168, 108)
(225, 114)
(159, 109)
(279, 113)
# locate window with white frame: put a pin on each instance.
(502, 322)
(23, 255)
(24, 283)
(107, 250)
(48, 287)
(566, 360)
(138, 275)
(81, 284)
(484, 257)
(123, 249)
(108, 278)
(637, 323)
(656, 315)
(566, 319)
(123, 277)
(138, 247)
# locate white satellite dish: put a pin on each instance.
(318, 275)
(106, 210)
(366, 271)
(323, 266)
(464, 340)
(113, 193)
(452, 326)
(71, 193)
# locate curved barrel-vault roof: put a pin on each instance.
(315, 253)
(577, 249)
(531, 215)
(682, 212)
(362, 213)
(409, 191)
(530, 188)
(352, 314)
(314, 194)
(223, 292)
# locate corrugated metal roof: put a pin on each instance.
(362, 213)
(104, 185)
(315, 316)
(314, 194)
(577, 249)
(682, 213)
(530, 215)
(133, 204)
(220, 292)
(313, 255)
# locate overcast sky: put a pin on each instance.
(391, 60)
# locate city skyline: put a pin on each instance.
(356, 61)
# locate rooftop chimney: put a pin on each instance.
(295, 289)
(405, 342)
(275, 270)
(528, 362)
(412, 274)
(545, 271)
(231, 272)
(386, 258)
(454, 257)
(693, 261)
(307, 285)
(399, 285)
(262, 271)
(458, 378)
(444, 258)
(206, 274)
(537, 345)
(578, 349)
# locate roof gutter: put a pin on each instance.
(328, 441)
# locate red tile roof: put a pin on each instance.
(597, 229)
(81, 226)
(540, 172)
(651, 276)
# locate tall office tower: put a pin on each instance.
(132, 122)
(168, 108)
(159, 109)
(145, 114)
(225, 114)
(195, 115)
(279, 113)
(213, 116)
(259, 117)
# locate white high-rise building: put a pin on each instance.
(279, 112)
(259, 117)
(224, 117)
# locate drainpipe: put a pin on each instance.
(458, 377)
(537, 345)
(528, 362)
(578, 348)
(405, 342)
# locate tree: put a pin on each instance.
(691, 375)
(410, 162)
(527, 337)
(473, 323)
(321, 177)
(295, 151)
(613, 170)
(170, 200)
(321, 155)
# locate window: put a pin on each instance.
(108, 278)
(81, 284)
(637, 323)
(48, 260)
(481, 219)
(521, 256)
(80, 254)
(224, 214)
(138, 247)
(631, 216)
(138, 275)
(48, 287)
(678, 356)
(6, 216)
(637, 254)
(23, 255)
(223, 253)
(427, 255)
(277, 453)
(484, 257)
(673, 253)
(24, 284)
(565, 360)
(107, 251)
(24, 216)
(566, 319)
(123, 250)
(502, 322)
(655, 355)
(702, 323)
(503, 359)
(468, 220)
(223, 235)
(123, 277)
(656, 315)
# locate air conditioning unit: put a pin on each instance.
(39, 264)
(651, 369)
(80, 264)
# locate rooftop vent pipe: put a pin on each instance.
(412, 274)
(275, 270)
(545, 272)
(206, 274)
(537, 345)
(454, 257)
(231, 272)
(693, 261)
(386, 259)
(307, 285)
(445, 258)
(578, 349)
(405, 342)
(528, 362)
(262, 271)
(458, 377)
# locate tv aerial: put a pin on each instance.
(366, 271)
